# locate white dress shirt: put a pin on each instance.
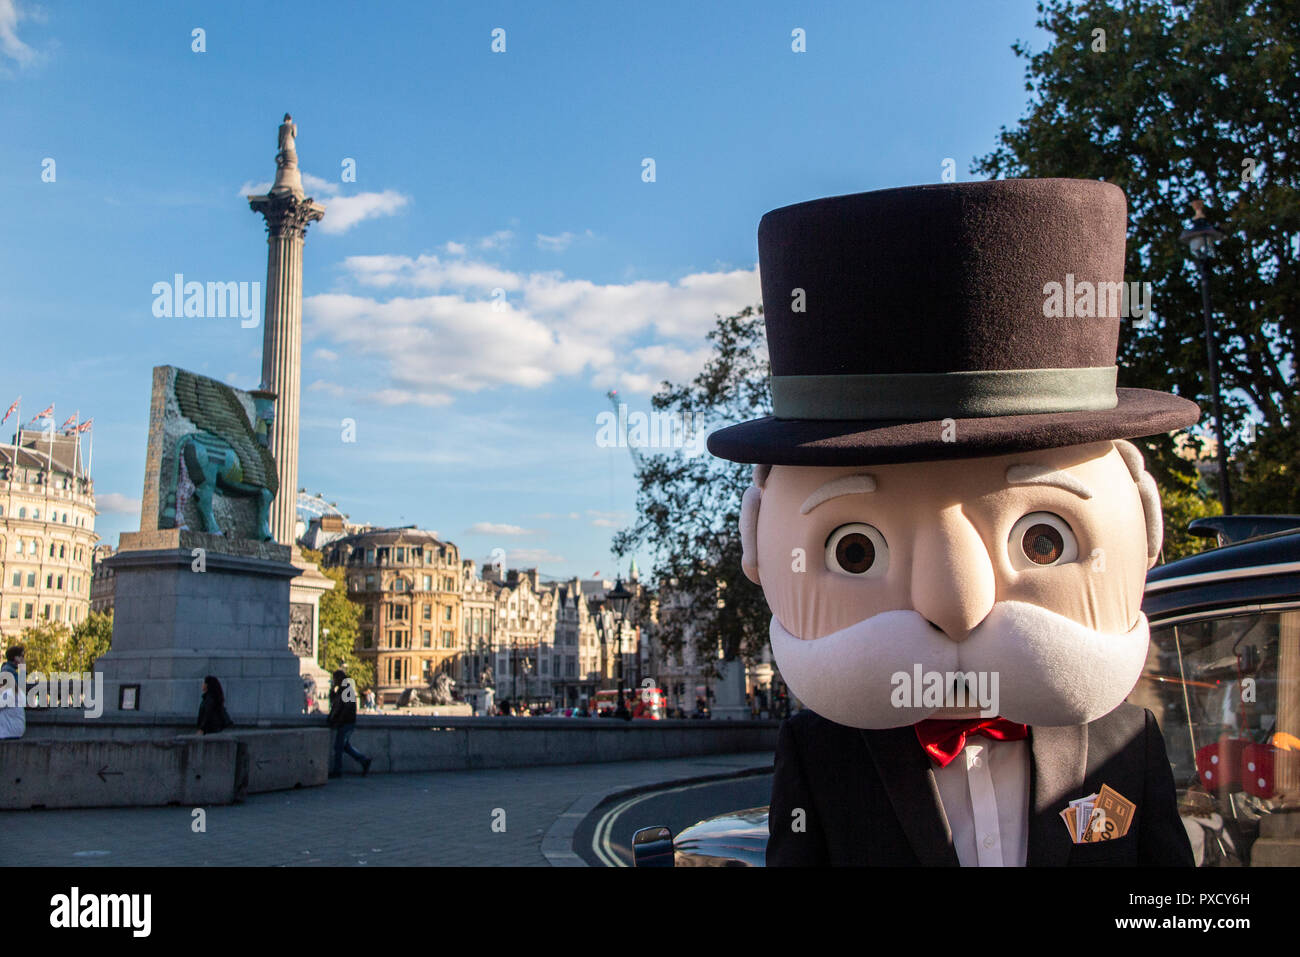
(985, 795)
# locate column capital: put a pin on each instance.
(286, 214)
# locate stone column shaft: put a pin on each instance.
(287, 217)
(281, 365)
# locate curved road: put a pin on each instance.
(604, 838)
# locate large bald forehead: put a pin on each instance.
(1084, 470)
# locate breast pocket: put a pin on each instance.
(1117, 852)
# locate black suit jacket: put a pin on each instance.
(870, 797)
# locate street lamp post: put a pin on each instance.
(619, 599)
(597, 607)
(1200, 239)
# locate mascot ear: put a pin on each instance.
(1150, 496)
(749, 524)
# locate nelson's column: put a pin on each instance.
(288, 212)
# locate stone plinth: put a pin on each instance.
(188, 605)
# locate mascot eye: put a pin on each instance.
(1040, 539)
(858, 551)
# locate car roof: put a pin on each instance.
(1264, 569)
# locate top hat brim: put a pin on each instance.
(773, 441)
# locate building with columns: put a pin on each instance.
(47, 532)
(580, 659)
(525, 634)
(408, 583)
(478, 611)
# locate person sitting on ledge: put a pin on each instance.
(213, 716)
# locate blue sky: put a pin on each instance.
(520, 171)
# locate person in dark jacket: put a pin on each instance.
(213, 716)
(343, 719)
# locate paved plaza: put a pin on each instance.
(435, 818)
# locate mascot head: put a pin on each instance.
(945, 517)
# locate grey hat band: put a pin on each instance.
(921, 396)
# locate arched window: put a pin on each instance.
(22, 511)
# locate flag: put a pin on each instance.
(11, 410)
(41, 415)
(85, 426)
(72, 418)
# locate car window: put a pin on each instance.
(1226, 691)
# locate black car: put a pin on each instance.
(1223, 679)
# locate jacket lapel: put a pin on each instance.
(1060, 762)
(908, 778)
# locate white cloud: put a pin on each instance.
(408, 397)
(454, 249)
(117, 503)
(325, 355)
(498, 240)
(342, 211)
(558, 244)
(605, 523)
(453, 335)
(10, 45)
(532, 556)
(497, 528)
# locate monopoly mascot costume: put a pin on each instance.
(952, 533)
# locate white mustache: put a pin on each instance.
(1052, 670)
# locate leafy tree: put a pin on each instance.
(340, 614)
(46, 646)
(53, 646)
(1177, 101)
(89, 639)
(688, 506)
(1182, 501)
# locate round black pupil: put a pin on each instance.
(1043, 544)
(855, 553)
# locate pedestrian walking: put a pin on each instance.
(213, 716)
(13, 694)
(370, 699)
(343, 719)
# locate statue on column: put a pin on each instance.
(287, 177)
(288, 156)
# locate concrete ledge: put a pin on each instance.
(198, 771)
(404, 743)
(283, 759)
(144, 766)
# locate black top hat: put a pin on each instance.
(922, 323)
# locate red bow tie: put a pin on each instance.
(943, 738)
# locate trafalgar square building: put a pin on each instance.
(47, 530)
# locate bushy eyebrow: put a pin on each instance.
(1042, 475)
(845, 485)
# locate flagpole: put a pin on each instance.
(13, 474)
(49, 475)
